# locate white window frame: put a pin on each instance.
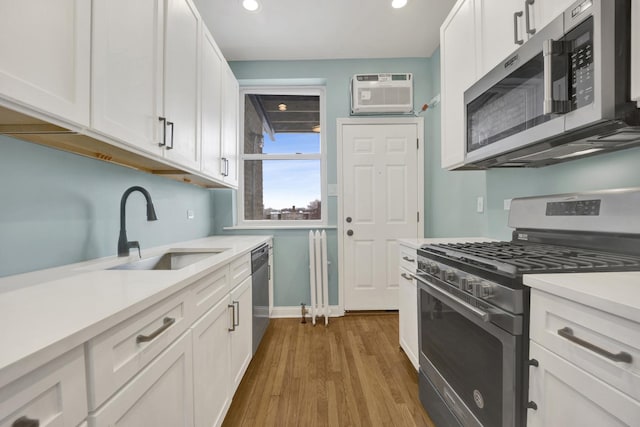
(284, 90)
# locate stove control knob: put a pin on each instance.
(485, 290)
(433, 269)
(467, 284)
(448, 276)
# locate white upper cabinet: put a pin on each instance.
(635, 51)
(230, 126)
(211, 111)
(45, 56)
(458, 72)
(181, 72)
(127, 71)
(502, 25)
(506, 24)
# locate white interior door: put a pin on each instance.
(380, 204)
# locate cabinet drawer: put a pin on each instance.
(551, 315)
(408, 258)
(568, 396)
(55, 394)
(240, 269)
(117, 355)
(207, 291)
(160, 396)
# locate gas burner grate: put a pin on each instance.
(530, 257)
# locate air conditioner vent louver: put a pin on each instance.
(382, 93)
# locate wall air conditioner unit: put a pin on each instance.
(382, 93)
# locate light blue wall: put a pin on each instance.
(606, 171)
(450, 197)
(58, 208)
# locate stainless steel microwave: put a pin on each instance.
(562, 95)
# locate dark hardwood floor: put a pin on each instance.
(351, 373)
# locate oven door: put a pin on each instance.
(473, 364)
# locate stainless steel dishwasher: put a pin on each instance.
(260, 290)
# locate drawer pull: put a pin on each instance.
(406, 276)
(166, 323)
(622, 356)
(25, 422)
(406, 258)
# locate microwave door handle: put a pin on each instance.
(551, 48)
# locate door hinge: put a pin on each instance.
(417, 143)
(418, 216)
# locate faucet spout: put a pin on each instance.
(123, 242)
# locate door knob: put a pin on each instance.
(349, 232)
(349, 219)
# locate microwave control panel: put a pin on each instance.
(581, 63)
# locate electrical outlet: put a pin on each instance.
(480, 204)
(507, 204)
(190, 214)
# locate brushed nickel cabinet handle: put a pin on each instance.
(406, 276)
(622, 356)
(25, 422)
(516, 15)
(233, 317)
(166, 323)
(237, 313)
(406, 258)
(527, 16)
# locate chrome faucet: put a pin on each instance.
(123, 244)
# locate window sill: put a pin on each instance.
(282, 227)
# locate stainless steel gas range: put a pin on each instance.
(474, 309)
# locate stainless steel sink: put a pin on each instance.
(172, 260)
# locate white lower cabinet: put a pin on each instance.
(241, 340)
(211, 352)
(567, 396)
(583, 365)
(55, 395)
(408, 304)
(160, 396)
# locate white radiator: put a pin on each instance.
(318, 275)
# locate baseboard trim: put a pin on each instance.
(288, 312)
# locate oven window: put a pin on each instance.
(509, 107)
(468, 357)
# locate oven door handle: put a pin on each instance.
(485, 316)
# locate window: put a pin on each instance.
(283, 167)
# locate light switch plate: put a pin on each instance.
(507, 204)
(190, 214)
(480, 204)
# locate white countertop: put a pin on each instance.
(617, 293)
(416, 243)
(48, 312)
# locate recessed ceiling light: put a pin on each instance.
(397, 4)
(251, 5)
(282, 107)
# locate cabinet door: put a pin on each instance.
(127, 71)
(54, 394)
(211, 341)
(241, 341)
(211, 111)
(45, 59)
(161, 395)
(408, 316)
(181, 71)
(498, 30)
(635, 51)
(567, 396)
(548, 10)
(458, 72)
(230, 112)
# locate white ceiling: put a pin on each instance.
(325, 29)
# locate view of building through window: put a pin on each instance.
(282, 158)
